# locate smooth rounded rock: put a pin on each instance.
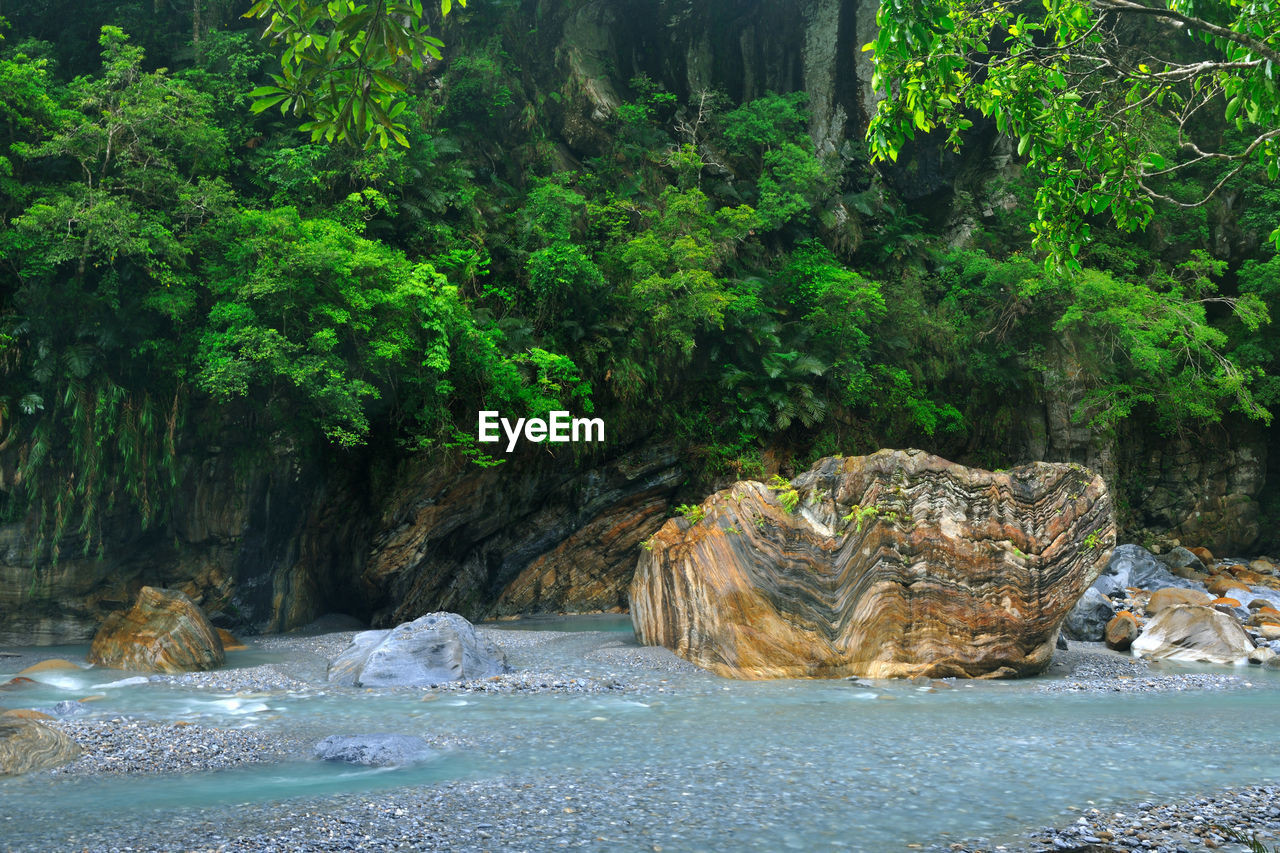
(1134, 566)
(18, 683)
(1121, 631)
(1181, 558)
(1170, 596)
(1187, 632)
(164, 631)
(435, 648)
(375, 750)
(1226, 585)
(1261, 655)
(27, 714)
(1204, 555)
(50, 665)
(1088, 619)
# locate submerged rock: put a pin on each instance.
(50, 665)
(27, 745)
(430, 650)
(895, 564)
(164, 631)
(1189, 632)
(375, 750)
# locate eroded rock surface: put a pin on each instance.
(164, 631)
(895, 564)
(1188, 632)
(26, 745)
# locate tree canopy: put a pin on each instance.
(339, 64)
(1113, 103)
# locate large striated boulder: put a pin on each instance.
(164, 631)
(1189, 632)
(26, 745)
(895, 564)
(429, 650)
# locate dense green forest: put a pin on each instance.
(176, 263)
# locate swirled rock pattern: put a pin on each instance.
(164, 631)
(895, 564)
(26, 745)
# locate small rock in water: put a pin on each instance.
(50, 665)
(1261, 655)
(376, 750)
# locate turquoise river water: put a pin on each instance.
(827, 762)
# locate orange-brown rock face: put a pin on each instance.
(895, 564)
(164, 631)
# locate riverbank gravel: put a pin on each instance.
(1226, 820)
(120, 746)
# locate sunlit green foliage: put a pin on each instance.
(338, 64)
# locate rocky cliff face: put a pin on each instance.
(539, 536)
(894, 564)
(260, 542)
(272, 546)
(1202, 486)
(744, 48)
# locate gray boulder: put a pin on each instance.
(1133, 565)
(1181, 558)
(1088, 620)
(376, 750)
(432, 649)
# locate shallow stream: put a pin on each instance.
(776, 765)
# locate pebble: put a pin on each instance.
(121, 745)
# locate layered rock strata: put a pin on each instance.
(26, 745)
(895, 564)
(164, 631)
